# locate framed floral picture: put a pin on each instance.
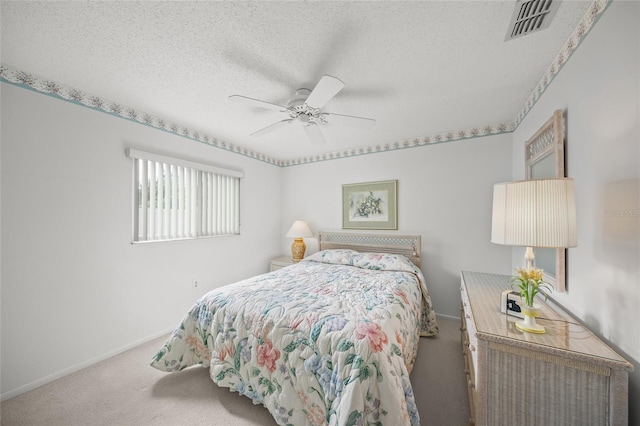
(372, 205)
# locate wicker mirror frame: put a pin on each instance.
(544, 158)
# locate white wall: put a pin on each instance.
(599, 88)
(444, 194)
(74, 289)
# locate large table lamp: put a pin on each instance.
(298, 231)
(534, 213)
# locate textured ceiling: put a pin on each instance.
(418, 68)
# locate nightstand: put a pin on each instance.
(566, 376)
(280, 262)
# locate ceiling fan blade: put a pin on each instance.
(324, 91)
(349, 120)
(314, 134)
(270, 128)
(256, 103)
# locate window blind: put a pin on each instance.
(180, 199)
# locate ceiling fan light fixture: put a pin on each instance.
(304, 118)
(305, 107)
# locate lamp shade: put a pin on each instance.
(535, 213)
(299, 229)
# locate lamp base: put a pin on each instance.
(298, 247)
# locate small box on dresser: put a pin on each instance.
(566, 376)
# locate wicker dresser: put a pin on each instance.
(566, 376)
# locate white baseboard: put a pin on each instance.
(449, 317)
(55, 376)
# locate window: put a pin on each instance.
(178, 199)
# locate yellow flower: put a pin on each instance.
(529, 283)
(536, 274)
(523, 273)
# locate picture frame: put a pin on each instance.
(370, 205)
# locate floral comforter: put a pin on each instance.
(330, 340)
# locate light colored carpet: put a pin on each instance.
(126, 391)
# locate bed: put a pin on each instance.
(329, 340)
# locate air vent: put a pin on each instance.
(530, 16)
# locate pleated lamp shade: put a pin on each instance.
(535, 213)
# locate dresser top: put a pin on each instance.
(564, 335)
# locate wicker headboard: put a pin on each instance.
(407, 245)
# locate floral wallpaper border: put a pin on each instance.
(588, 20)
(51, 88)
(70, 94)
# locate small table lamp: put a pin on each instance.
(298, 231)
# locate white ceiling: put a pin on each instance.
(418, 68)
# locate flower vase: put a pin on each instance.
(529, 324)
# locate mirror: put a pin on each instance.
(544, 158)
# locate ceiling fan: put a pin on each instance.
(305, 107)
